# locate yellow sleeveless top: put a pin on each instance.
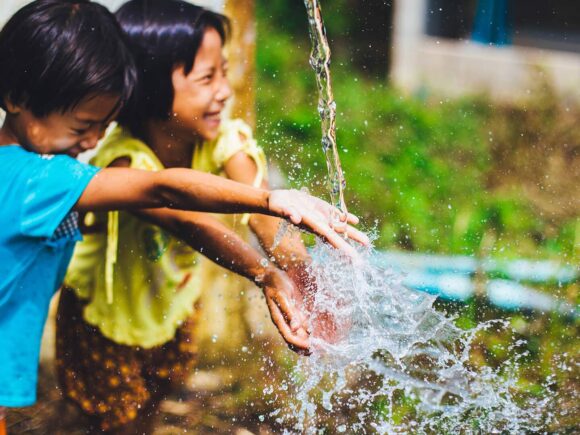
(140, 282)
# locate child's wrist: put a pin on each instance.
(267, 200)
(260, 270)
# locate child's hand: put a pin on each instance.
(324, 325)
(316, 215)
(281, 299)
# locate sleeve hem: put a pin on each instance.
(67, 204)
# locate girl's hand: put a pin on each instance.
(281, 299)
(317, 216)
(323, 325)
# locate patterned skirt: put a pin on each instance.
(114, 382)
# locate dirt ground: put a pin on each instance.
(201, 408)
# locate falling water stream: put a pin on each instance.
(391, 350)
(320, 62)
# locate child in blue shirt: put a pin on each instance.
(65, 72)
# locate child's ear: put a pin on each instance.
(178, 77)
(11, 108)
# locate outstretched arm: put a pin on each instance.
(217, 242)
(123, 188)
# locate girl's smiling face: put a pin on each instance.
(201, 95)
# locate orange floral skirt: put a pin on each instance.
(111, 381)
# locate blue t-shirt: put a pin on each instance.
(38, 230)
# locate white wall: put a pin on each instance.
(8, 7)
(453, 68)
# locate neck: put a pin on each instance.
(7, 134)
(173, 150)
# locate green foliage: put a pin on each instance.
(430, 175)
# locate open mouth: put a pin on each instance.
(213, 117)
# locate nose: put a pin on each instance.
(89, 143)
(92, 138)
(224, 91)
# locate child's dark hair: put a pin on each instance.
(55, 53)
(162, 34)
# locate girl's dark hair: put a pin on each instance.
(162, 34)
(55, 53)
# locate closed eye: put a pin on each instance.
(79, 132)
(206, 78)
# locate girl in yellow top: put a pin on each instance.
(124, 330)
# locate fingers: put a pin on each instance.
(354, 234)
(298, 340)
(293, 317)
(324, 230)
(345, 222)
(352, 219)
(316, 215)
(339, 242)
(303, 335)
(343, 227)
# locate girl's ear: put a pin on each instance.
(178, 77)
(11, 108)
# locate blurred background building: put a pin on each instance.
(499, 46)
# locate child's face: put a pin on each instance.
(68, 133)
(200, 96)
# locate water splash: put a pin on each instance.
(379, 348)
(320, 62)
(393, 349)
